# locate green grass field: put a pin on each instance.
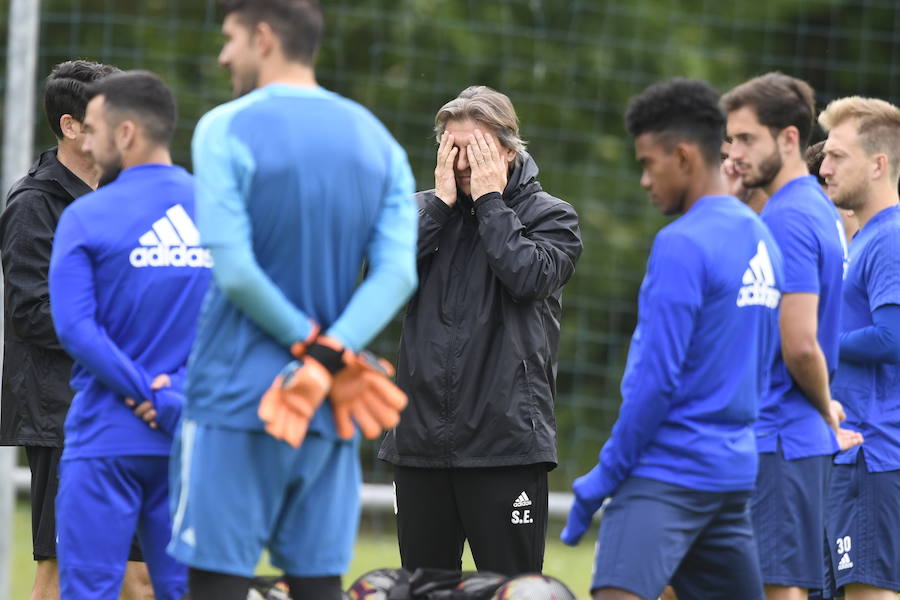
(571, 565)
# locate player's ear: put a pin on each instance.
(685, 156)
(265, 38)
(69, 126)
(125, 134)
(879, 166)
(789, 137)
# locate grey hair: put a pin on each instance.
(484, 105)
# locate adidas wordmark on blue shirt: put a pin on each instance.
(707, 319)
(127, 278)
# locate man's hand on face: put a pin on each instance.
(733, 179)
(444, 178)
(489, 167)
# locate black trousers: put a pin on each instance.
(44, 464)
(501, 511)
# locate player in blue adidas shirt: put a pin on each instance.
(296, 188)
(861, 170)
(680, 464)
(770, 119)
(126, 281)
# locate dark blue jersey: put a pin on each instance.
(870, 390)
(809, 232)
(707, 319)
(127, 278)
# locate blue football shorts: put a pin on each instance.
(237, 492)
(100, 504)
(654, 533)
(788, 514)
(862, 523)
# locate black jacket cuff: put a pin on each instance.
(486, 199)
(438, 210)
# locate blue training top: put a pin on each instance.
(808, 229)
(707, 318)
(296, 188)
(127, 277)
(870, 391)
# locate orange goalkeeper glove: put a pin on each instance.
(289, 404)
(358, 384)
(363, 392)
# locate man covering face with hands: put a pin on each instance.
(479, 347)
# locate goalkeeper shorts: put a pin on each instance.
(236, 492)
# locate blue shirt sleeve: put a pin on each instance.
(74, 313)
(670, 300)
(223, 170)
(877, 343)
(391, 256)
(793, 231)
(882, 269)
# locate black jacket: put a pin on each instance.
(480, 337)
(36, 370)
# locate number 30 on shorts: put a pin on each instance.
(843, 544)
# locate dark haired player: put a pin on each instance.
(127, 277)
(680, 464)
(769, 122)
(36, 393)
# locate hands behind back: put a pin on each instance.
(165, 409)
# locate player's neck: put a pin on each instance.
(287, 73)
(148, 155)
(793, 168)
(881, 197)
(709, 183)
(80, 164)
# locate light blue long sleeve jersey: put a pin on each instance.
(696, 368)
(297, 188)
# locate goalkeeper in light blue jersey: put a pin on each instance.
(297, 187)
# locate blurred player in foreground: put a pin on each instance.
(296, 188)
(861, 170)
(770, 119)
(681, 461)
(126, 280)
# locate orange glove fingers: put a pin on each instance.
(387, 367)
(287, 426)
(302, 405)
(305, 389)
(367, 421)
(387, 392)
(295, 429)
(271, 400)
(343, 423)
